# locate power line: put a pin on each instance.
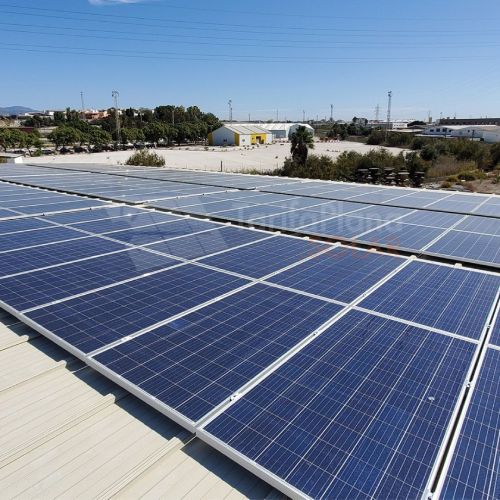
(218, 25)
(265, 42)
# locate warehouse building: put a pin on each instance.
(280, 131)
(486, 133)
(239, 135)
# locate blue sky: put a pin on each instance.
(285, 55)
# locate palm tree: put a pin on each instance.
(301, 141)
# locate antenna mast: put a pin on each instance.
(115, 94)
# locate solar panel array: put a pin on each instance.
(327, 370)
(414, 221)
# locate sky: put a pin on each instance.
(274, 58)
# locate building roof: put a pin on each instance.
(245, 129)
(68, 431)
(276, 126)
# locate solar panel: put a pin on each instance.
(40, 237)
(126, 222)
(486, 225)
(19, 261)
(443, 297)
(342, 274)
(93, 320)
(431, 219)
(343, 226)
(359, 412)
(383, 213)
(36, 288)
(249, 213)
(160, 232)
(59, 207)
(468, 246)
(193, 364)
(208, 242)
(94, 214)
(6, 214)
(26, 224)
(293, 220)
(474, 470)
(265, 257)
(404, 236)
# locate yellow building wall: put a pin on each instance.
(210, 139)
(258, 138)
(237, 139)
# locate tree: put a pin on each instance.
(64, 136)
(154, 132)
(429, 153)
(415, 166)
(146, 158)
(32, 141)
(301, 141)
(97, 137)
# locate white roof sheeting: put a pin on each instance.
(245, 129)
(69, 432)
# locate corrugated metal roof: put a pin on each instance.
(277, 126)
(68, 431)
(246, 129)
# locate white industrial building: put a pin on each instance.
(486, 133)
(239, 134)
(280, 130)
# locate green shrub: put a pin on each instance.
(146, 158)
(452, 178)
(445, 185)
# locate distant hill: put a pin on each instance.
(15, 110)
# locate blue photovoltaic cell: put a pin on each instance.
(215, 206)
(25, 224)
(160, 232)
(488, 209)
(360, 412)
(94, 214)
(443, 297)
(398, 235)
(343, 226)
(196, 362)
(49, 235)
(486, 225)
(34, 200)
(99, 318)
(382, 213)
(209, 242)
(432, 219)
(474, 471)
(19, 261)
(127, 222)
(293, 220)
(250, 213)
(265, 257)
(41, 287)
(4, 213)
(59, 207)
(495, 333)
(454, 206)
(341, 274)
(470, 246)
(292, 203)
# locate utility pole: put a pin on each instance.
(377, 113)
(277, 115)
(389, 104)
(230, 104)
(115, 94)
(173, 115)
(83, 104)
(331, 112)
(303, 115)
(249, 117)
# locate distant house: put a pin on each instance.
(239, 135)
(11, 158)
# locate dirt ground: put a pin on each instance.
(234, 159)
